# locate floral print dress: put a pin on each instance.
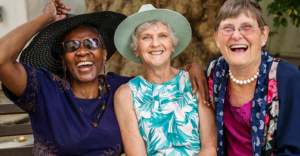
(167, 115)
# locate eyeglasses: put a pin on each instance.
(89, 43)
(246, 29)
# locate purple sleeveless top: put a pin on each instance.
(237, 129)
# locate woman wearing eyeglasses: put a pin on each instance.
(255, 95)
(69, 104)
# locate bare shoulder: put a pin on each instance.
(123, 90)
(123, 95)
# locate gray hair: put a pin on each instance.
(233, 8)
(146, 25)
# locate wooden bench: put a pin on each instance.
(12, 130)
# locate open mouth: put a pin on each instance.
(84, 65)
(156, 52)
(238, 48)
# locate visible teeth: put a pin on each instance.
(239, 46)
(84, 63)
(156, 53)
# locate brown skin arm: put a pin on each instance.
(12, 73)
(207, 129)
(198, 80)
(128, 122)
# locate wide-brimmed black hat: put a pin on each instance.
(45, 48)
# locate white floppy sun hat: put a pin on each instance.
(179, 23)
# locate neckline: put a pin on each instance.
(87, 100)
(229, 97)
(242, 114)
(101, 88)
(101, 96)
(165, 83)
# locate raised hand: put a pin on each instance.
(56, 7)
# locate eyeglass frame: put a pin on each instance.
(99, 40)
(239, 28)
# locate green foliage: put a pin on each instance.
(282, 9)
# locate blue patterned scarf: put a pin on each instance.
(218, 86)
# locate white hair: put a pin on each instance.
(146, 25)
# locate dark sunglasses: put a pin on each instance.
(89, 43)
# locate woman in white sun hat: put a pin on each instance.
(157, 112)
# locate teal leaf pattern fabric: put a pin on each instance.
(167, 115)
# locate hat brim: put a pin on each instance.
(45, 48)
(178, 22)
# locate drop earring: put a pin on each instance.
(65, 72)
(104, 67)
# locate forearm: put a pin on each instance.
(208, 137)
(12, 43)
(133, 143)
(207, 129)
(207, 151)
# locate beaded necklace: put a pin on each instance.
(243, 81)
(95, 123)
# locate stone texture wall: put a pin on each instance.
(200, 13)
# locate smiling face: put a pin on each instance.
(241, 48)
(83, 65)
(155, 46)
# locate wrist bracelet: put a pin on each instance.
(185, 67)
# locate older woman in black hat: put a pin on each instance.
(70, 106)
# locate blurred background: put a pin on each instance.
(200, 13)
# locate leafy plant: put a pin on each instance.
(282, 9)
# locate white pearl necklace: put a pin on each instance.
(243, 81)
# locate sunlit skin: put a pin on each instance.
(154, 47)
(242, 59)
(83, 74)
(243, 63)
